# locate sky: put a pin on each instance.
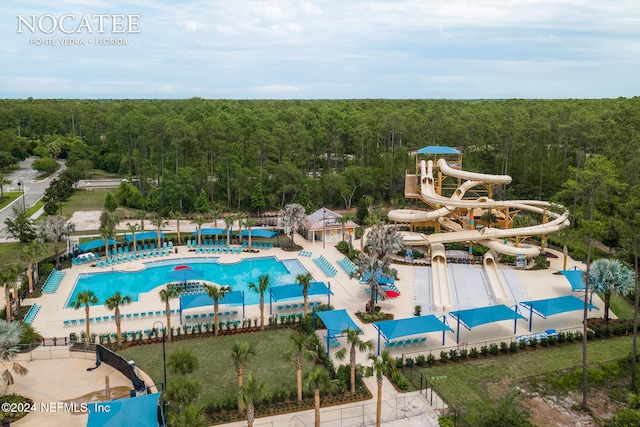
(320, 49)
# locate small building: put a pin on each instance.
(326, 225)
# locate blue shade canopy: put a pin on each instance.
(93, 244)
(211, 232)
(551, 306)
(140, 411)
(437, 149)
(283, 292)
(392, 329)
(336, 321)
(382, 280)
(203, 300)
(267, 234)
(144, 235)
(184, 275)
(480, 316)
(575, 278)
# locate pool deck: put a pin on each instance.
(347, 294)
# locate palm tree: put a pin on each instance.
(229, 220)
(342, 221)
(177, 215)
(183, 391)
(382, 365)
(10, 333)
(292, 217)
(183, 361)
(353, 339)
(166, 295)
(217, 293)
(141, 215)
(213, 213)
(55, 229)
(249, 222)
(85, 298)
(200, 220)
(264, 283)
(3, 181)
(318, 379)
(190, 416)
(249, 394)
(241, 218)
(133, 229)
(369, 267)
(304, 280)
(611, 277)
(107, 229)
(32, 252)
(158, 222)
(8, 276)
(489, 217)
(114, 302)
(240, 353)
(300, 346)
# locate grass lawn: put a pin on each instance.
(216, 372)
(84, 200)
(9, 196)
(468, 384)
(621, 307)
(11, 254)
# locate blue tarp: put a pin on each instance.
(392, 329)
(144, 235)
(267, 234)
(575, 277)
(479, 316)
(211, 232)
(93, 244)
(141, 411)
(437, 149)
(551, 306)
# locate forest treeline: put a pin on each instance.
(263, 154)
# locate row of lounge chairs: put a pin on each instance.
(305, 253)
(32, 313)
(206, 242)
(259, 245)
(325, 266)
(218, 249)
(140, 248)
(127, 316)
(210, 316)
(53, 281)
(132, 256)
(348, 266)
(310, 305)
(406, 343)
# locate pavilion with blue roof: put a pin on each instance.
(94, 244)
(551, 306)
(479, 316)
(294, 291)
(143, 235)
(392, 329)
(336, 322)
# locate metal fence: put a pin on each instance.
(57, 348)
(411, 406)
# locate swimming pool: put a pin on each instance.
(237, 275)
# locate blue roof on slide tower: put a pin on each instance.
(437, 149)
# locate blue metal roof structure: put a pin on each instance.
(479, 316)
(291, 291)
(267, 234)
(210, 232)
(203, 300)
(392, 329)
(336, 321)
(551, 306)
(93, 244)
(437, 149)
(144, 235)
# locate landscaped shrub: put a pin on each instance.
(431, 359)
(463, 353)
(561, 337)
(343, 247)
(484, 350)
(444, 356)
(513, 347)
(445, 421)
(400, 380)
(533, 342)
(473, 353)
(504, 348)
(399, 363)
(453, 355)
(544, 341)
(522, 344)
(493, 349)
(421, 361)
(408, 362)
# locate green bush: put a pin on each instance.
(400, 380)
(444, 356)
(421, 361)
(343, 247)
(493, 349)
(504, 347)
(533, 342)
(473, 353)
(445, 421)
(453, 355)
(431, 359)
(513, 347)
(484, 350)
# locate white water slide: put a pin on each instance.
(440, 282)
(490, 237)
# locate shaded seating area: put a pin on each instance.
(95, 244)
(188, 302)
(480, 316)
(575, 276)
(289, 292)
(392, 330)
(551, 306)
(123, 316)
(336, 321)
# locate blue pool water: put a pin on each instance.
(238, 276)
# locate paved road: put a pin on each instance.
(33, 191)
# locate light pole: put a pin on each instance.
(164, 353)
(324, 227)
(21, 187)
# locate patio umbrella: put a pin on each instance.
(181, 267)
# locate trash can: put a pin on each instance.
(176, 250)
